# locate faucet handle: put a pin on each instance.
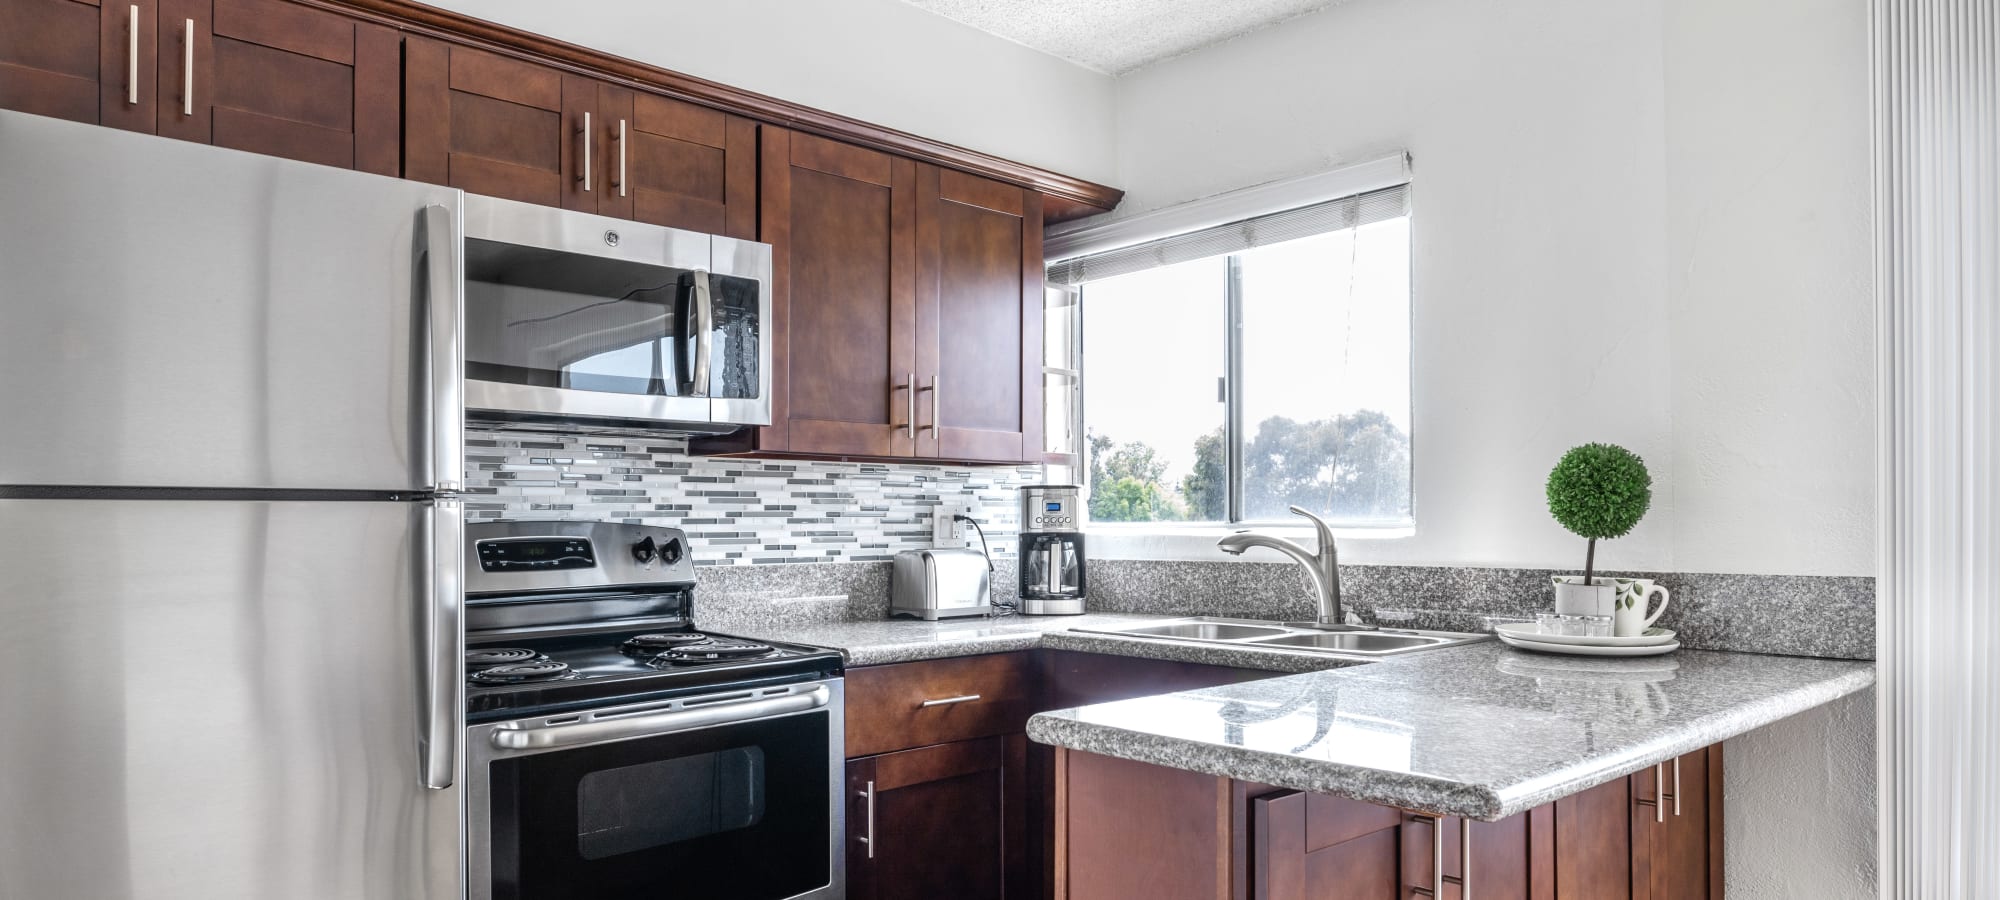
(1323, 531)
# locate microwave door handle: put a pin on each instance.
(444, 314)
(704, 306)
(443, 652)
(650, 724)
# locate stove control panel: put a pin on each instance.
(532, 554)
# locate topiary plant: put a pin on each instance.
(1598, 492)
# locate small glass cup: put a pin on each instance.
(1573, 626)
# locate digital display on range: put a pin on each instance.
(535, 554)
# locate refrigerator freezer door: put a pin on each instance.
(177, 315)
(212, 700)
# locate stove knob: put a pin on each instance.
(645, 551)
(670, 552)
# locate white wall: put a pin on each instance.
(1639, 222)
(1799, 806)
(880, 61)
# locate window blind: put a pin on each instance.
(1234, 237)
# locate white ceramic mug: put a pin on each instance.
(1574, 598)
(1634, 596)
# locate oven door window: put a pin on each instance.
(740, 811)
(543, 318)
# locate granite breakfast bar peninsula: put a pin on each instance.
(1545, 777)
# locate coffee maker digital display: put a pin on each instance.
(1052, 560)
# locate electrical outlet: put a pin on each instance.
(947, 531)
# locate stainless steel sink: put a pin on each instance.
(1345, 641)
(1209, 631)
(1356, 641)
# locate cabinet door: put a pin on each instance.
(1318, 847)
(49, 58)
(677, 164)
(1594, 859)
(979, 318)
(1677, 827)
(842, 224)
(498, 126)
(939, 821)
(281, 79)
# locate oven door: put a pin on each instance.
(570, 316)
(732, 796)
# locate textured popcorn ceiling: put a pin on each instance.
(1117, 36)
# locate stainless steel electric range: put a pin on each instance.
(612, 749)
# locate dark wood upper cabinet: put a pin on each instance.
(494, 125)
(979, 318)
(280, 79)
(503, 127)
(842, 224)
(907, 290)
(50, 62)
(676, 164)
(910, 298)
(265, 76)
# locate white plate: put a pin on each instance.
(1527, 631)
(1576, 650)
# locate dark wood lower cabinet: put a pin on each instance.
(939, 821)
(1676, 833)
(1126, 829)
(1316, 847)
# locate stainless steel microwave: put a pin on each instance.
(579, 322)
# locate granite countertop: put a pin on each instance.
(1483, 731)
(878, 641)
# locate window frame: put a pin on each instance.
(1078, 461)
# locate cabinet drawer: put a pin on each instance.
(886, 704)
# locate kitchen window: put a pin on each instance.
(1226, 374)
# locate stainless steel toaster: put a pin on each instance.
(939, 584)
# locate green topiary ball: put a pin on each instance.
(1599, 491)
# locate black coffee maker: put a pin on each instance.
(1052, 576)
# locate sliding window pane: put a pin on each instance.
(1153, 360)
(1326, 376)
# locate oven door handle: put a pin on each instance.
(515, 737)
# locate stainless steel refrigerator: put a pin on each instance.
(230, 433)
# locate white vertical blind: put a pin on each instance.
(1937, 185)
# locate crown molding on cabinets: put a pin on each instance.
(1066, 197)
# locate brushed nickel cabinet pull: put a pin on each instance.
(909, 407)
(584, 174)
(947, 701)
(621, 157)
(1438, 878)
(132, 58)
(868, 837)
(187, 70)
(1677, 787)
(935, 427)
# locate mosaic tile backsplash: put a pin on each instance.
(736, 511)
(836, 525)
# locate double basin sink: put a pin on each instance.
(1290, 636)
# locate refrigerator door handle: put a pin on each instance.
(442, 656)
(444, 301)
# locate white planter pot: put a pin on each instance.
(1574, 598)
